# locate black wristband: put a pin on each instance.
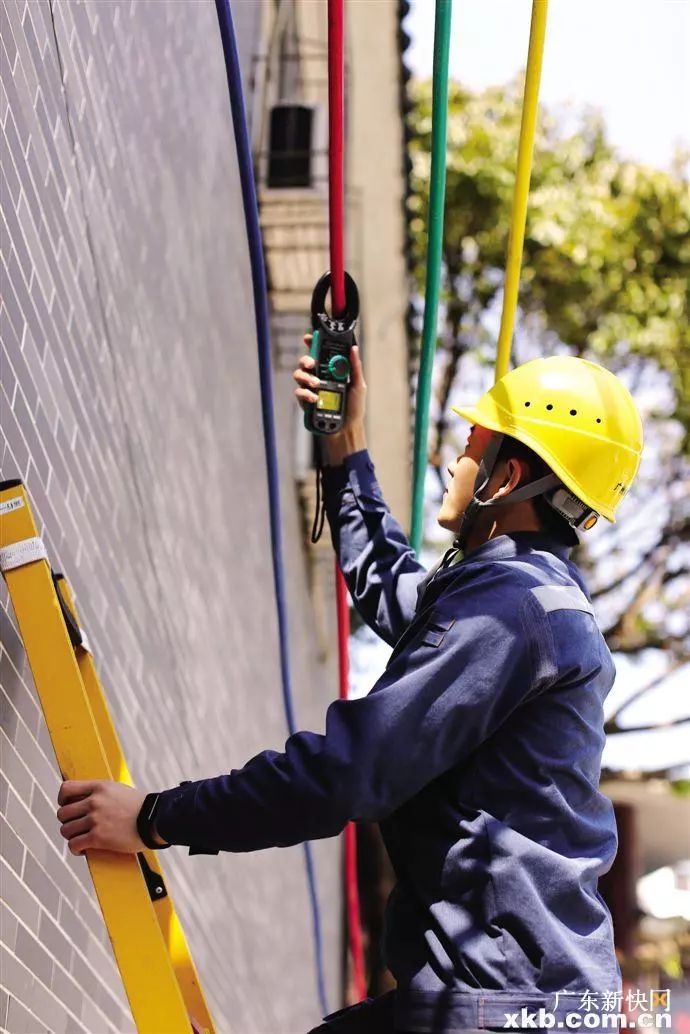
(147, 814)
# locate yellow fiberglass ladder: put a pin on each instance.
(149, 945)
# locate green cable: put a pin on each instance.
(437, 193)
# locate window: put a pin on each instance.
(290, 146)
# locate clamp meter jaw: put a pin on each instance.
(332, 341)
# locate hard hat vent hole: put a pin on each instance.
(550, 406)
(573, 412)
(527, 405)
(598, 419)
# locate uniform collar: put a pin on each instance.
(519, 542)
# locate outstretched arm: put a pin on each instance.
(380, 567)
(464, 671)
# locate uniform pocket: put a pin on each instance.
(436, 630)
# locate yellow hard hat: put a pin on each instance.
(579, 417)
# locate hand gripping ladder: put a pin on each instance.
(148, 942)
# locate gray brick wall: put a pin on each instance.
(130, 406)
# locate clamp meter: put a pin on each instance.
(332, 341)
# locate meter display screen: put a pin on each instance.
(329, 401)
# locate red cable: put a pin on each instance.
(336, 217)
(351, 886)
(336, 151)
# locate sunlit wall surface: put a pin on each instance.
(131, 408)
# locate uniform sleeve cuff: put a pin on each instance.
(356, 471)
(176, 814)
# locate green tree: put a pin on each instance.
(606, 274)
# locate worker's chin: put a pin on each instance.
(448, 518)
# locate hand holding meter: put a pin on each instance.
(332, 341)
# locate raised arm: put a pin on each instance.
(380, 568)
(379, 565)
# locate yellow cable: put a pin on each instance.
(516, 239)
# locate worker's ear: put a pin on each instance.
(513, 473)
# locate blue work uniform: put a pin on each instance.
(478, 752)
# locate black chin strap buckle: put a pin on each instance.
(466, 521)
(486, 469)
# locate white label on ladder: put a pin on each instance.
(11, 504)
(20, 553)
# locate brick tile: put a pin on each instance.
(15, 768)
(12, 650)
(4, 790)
(54, 940)
(56, 222)
(74, 1026)
(47, 1009)
(92, 1017)
(56, 450)
(69, 391)
(49, 142)
(9, 387)
(8, 716)
(15, 440)
(20, 109)
(34, 956)
(32, 232)
(45, 812)
(11, 231)
(41, 12)
(26, 828)
(69, 993)
(50, 393)
(21, 1021)
(9, 346)
(29, 369)
(30, 36)
(72, 925)
(26, 421)
(8, 926)
(16, 977)
(33, 302)
(25, 67)
(42, 763)
(9, 183)
(41, 884)
(7, 39)
(12, 306)
(98, 962)
(50, 86)
(107, 1004)
(17, 897)
(42, 287)
(46, 745)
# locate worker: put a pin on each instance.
(479, 749)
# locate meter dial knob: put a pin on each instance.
(339, 367)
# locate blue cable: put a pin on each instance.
(258, 269)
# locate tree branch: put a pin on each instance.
(672, 535)
(454, 316)
(652, 640)
(612, 729)
(642, 691)
(640, 775)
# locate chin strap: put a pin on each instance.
(486, 469)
